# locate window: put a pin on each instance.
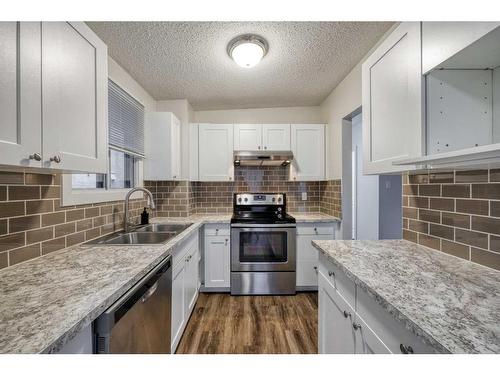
(126, 150)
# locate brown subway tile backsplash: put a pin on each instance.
(33, 223)
(463, 219)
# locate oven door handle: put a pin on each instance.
(235, 225)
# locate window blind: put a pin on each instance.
(125, 120)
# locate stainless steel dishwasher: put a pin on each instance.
(139, 322)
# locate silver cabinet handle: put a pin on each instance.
(406, 349)
(265, 147)
(331, 273)
(36, 156)
(56, 159)
(229, 178)
(356, 326)
(315, 269)
(149, 293)
(258, 147)
(347, 314)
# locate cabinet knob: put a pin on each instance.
(331, 273)
(265, 147)
(56, 159)
(347, 314)
(229, 178)
(36, 156)
(356, 326)
(315, 269)
(406, 349)
(258, 147)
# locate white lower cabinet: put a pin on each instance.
(217, 257)
(335, 333)
(185, 285)
(350, 321)
(307, 254)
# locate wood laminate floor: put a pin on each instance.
(221, 323)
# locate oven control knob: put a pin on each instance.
(239, 200)
(280, 216)
(279, 209)
(246, 199)
(274, 200)
(279, 199)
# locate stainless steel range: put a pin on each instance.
(263, 249)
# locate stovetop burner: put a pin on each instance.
(260, 208)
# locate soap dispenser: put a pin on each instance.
(145, 217)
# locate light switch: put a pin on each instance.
(304, 196)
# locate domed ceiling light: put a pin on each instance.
(247, 50)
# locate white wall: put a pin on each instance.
(279, 115)
(121, 77)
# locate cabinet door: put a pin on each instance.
(216, 152)
(367, 342)
(442, 40)
(20, 102)
(276, 137)
(193, 152)
(247, 137)
(392, 86)
(335, 332)
(308, 259)
(176, 149)
(178, 303)
(192, 277)
(74, 98)
(217, 262)
(308, 147)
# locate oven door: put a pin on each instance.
(256, 247)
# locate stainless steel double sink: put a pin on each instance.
(151, 234)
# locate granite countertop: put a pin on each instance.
(453, 304)
(46, 301)
(314, 217)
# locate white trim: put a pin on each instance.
(72, 197)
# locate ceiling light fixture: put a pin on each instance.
(247, 50)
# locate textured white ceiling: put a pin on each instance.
(188, 60)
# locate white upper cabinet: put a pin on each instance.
(20, 86)
(74, 98)
(262, 137)
(442, 40)
(392, 83)
(162, 146)
(308, 147)
(247, 137)
(276, 137)
(216, 152)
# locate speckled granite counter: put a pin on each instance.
(314, 217)
(452, 304)
(46, 301)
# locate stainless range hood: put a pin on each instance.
(262, 158)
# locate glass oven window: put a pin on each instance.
(263, 247)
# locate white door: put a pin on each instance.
(192, 276)
(335, 332)
(217, 262)
(20, 101)
(276, 137)
(216, 152)
(74, 98)
(392, 83)
(247, 137)
(367, 342)
(176, 148)
(308, 147)
(308, 259)
(178, 303)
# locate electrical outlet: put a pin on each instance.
(304, 196)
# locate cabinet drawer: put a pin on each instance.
(338, 279)
(217, 230)
(386, 327)
(186, 247)
(316, 229)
